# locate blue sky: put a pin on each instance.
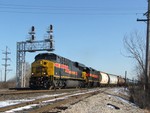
(88, 31)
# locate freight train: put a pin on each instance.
(50, 70)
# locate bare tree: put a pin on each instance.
(28, 74)
(135, 46)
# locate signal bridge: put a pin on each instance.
(31, 46)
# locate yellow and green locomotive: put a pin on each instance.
(50, 70)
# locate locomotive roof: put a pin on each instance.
(53, 54)
(42, 54)
(45, 54)
(49, 54)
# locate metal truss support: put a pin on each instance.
(20, 61)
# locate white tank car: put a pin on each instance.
(104, 78)
(113, 79)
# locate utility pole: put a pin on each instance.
(6, 63)
(125, 76)
(147, 47)
(147, 65)
(1, 75)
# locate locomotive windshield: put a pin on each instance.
(46, 57)
(39, 70)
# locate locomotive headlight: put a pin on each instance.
(44, 73)
(32, 73)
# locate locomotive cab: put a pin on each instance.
(41, 74)
(42, 68)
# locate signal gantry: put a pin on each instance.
(31, 45)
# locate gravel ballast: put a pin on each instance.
(109, 101)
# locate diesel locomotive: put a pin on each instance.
(53, 71)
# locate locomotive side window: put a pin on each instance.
(58, 59)
(52, 57)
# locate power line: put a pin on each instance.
(71, 13)
(71, 10)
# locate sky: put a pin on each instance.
(88, 31)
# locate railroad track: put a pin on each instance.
(16, 92)
(48, 103)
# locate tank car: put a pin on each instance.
(121, 81)
(104, 79)
(113, 80)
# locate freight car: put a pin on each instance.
(121, 81)
(50, 70)
(104, 79)
(113, 80)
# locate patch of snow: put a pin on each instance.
(126, 101)
(123, 100)
(65, 97)
(45, 96)
(21, 108)
(111, 106)
(53, 100)
(14, 102)
(123, 91)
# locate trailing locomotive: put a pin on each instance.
(50, 70)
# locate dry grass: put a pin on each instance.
(5, 85)
(140, 97)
